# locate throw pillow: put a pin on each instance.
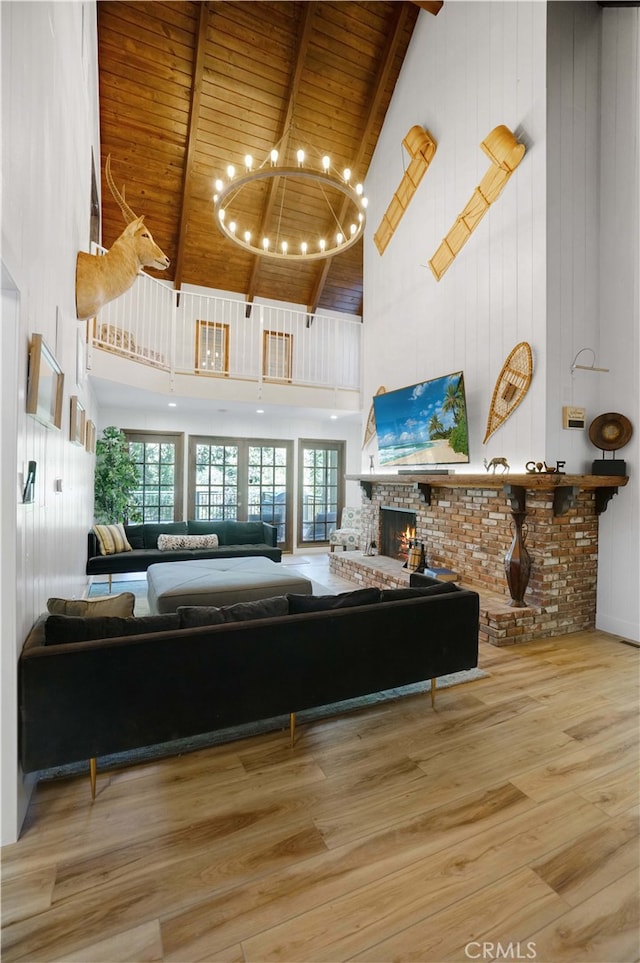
(193, 616)
(151, 530)
(170, 543)
(111, 539)
(321, 603)
(257, 609)
(196, 615)
(120, 605)
(61, 629)
(395, 595)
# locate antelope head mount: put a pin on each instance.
(101, 278)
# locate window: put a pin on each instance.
(212, 347)
(277, 356)
(321, 489)
(159, 459)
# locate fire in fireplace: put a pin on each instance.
(397, 529)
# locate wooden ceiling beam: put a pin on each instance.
(431, 6)
(377, 95)
(304, 37)
(190, 149)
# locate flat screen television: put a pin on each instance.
(423, 424)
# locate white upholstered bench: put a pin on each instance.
(220, 581)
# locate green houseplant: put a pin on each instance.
(116, 480)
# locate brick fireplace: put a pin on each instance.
(467, 524)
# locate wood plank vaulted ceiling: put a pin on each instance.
(187, 88)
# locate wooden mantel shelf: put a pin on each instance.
(565, 487)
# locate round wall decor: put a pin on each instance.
(610, 431)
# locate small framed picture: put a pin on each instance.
(90, 437)
(45, 384)
(78, 421)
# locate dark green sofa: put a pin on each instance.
(235, 540)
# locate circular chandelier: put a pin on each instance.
(344, 236)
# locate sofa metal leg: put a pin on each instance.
(292, 728)
(110, 580)
(433, 693)
(92, 776)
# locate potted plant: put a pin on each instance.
(116, 480)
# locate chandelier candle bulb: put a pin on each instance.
(326, 162)
(274, 157)
(231, 172)
(300, 156)
(248, 162)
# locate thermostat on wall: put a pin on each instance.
(573, 417)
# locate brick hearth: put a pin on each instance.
(499, 623)
(470, 529)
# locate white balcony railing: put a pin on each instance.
(198, 334)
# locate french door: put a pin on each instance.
(242, 480)
(320, 489)
(158, 458)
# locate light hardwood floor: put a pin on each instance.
(506, 816)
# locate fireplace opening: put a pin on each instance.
(397, 530)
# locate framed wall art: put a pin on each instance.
(90, 437)
(45, 384)
(77, 423)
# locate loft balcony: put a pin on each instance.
(202, 345)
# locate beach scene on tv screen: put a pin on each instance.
(423, 424)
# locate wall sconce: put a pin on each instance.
(585, 367)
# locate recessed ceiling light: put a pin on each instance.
(333, 417)
(259, 411)
(172, 404)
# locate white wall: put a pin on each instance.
(619, 311)
(470, 68)
(50, 124)
(554, 261)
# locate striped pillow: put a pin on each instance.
(111, 539)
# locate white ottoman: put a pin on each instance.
(220, 581)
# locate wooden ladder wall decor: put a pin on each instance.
(505, 153)
(421, 146)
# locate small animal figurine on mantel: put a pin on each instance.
(497, 463)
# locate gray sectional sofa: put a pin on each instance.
(166, 677)
(235, 540)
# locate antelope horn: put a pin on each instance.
(127, 213)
